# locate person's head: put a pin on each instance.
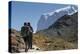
(25, 23)
(28, 23)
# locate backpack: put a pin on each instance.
(25, 31)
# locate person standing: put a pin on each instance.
(31, 35)
(25, 35)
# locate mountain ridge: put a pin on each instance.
(65, 27)
(49, 18)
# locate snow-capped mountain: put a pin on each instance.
(48, 19)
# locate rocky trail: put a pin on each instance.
(35, 49)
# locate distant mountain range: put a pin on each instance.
(47, 19)
(66, 27)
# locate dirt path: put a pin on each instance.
(35, 49)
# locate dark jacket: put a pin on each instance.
(26, 30)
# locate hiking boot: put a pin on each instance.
(26, 50)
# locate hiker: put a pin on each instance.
(30, 35)
(25, 36)
(26, 32)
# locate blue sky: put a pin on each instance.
(30, 12)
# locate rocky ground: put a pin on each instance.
(41, 42)
(17, 43)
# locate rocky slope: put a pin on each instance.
(55, 43)
(66, 26)
(15, 41)
(63, 34)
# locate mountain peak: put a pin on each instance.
(48, 19)
(69, 9)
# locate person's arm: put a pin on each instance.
(32, 29)
(21, 30)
